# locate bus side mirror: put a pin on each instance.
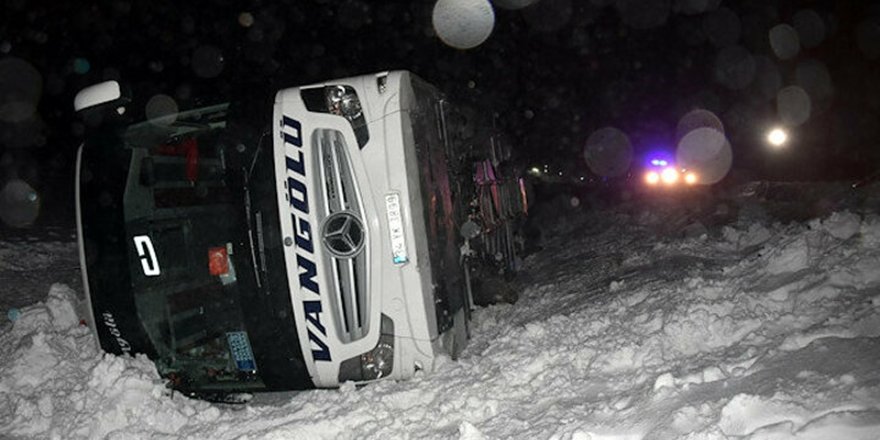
(107, 92)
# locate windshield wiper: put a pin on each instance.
(259, 269)
(256, 155)
(250, 227)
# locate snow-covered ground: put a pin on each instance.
(626, 328)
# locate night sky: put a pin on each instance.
(554, 72)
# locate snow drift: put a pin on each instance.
(752, 330)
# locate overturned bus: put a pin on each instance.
(300, 243)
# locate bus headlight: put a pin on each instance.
(379, 362)
(343, 101)
(374, 364)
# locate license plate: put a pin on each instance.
(241, 351)
(395, 229)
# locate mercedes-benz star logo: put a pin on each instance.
(343, 234)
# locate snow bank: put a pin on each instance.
(760, 331)
(54, 383)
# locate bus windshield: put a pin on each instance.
(184, 252)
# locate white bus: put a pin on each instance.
(280, 245)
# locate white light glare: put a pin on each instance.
(669, 176)
(652, 178)
(777, 137)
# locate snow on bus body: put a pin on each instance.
(357, 248)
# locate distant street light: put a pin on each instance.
(777, 137)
